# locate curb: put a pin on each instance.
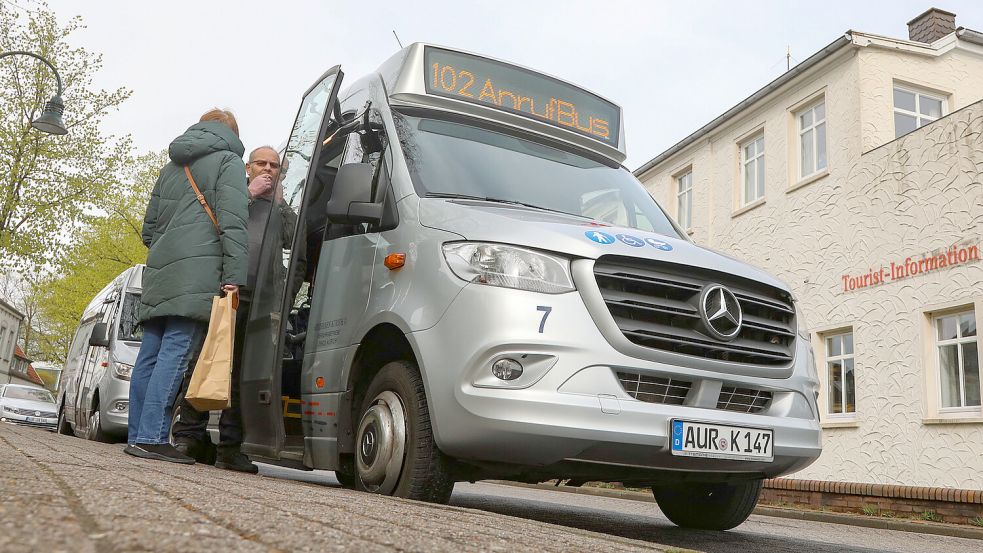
(950, 530)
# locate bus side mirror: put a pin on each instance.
(100, 335)
(351, 196)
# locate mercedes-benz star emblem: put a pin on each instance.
(721, 312)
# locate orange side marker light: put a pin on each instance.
(319, 382)
(395, 261)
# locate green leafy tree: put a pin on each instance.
(108, 243)
(49, 183)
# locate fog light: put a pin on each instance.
(506, 369)
(121, 406)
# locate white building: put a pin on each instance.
(10, 321)
(857, 177)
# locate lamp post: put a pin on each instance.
(50, 120)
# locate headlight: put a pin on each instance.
(122, 370)
(509, 267)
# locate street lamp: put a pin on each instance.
(50, 121)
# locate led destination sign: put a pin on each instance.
(516, 90)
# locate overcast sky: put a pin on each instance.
(673, 66)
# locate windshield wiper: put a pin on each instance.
(452, 195)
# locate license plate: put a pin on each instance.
(35, 419)
(697, 439)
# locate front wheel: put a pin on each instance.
(346, 472)
(708, 506)
(62, 425)
(95, 431)
(395, 449)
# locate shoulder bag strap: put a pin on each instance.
(201, 198)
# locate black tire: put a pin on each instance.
(424, 473)
(175, 415)
(708, 506)
(346, 472)
(95, 432)
(62, 426)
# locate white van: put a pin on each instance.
(476, 288)
(93, 394)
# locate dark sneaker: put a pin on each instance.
(199, 450)
(234, 460)
(159, 452)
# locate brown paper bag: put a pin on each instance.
(211, 381)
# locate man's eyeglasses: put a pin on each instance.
(263, 163)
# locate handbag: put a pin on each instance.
(211, 381)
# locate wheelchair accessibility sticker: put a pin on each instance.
(600, 237)
(631, 240)
(659, 244)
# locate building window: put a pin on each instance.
(753, 169)
(3, 349)
(913, 109)
(959, 360)
(841, 381)
(684, 200)
(812, 139)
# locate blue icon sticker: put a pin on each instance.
(600, 237)
(631, 240)
(659, 244)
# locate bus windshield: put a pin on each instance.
(450, 159)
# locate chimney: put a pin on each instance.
(931, 25)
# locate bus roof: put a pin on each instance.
(431, 76)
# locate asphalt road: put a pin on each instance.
(59, 493)
(643, 521)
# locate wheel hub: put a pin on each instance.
(381, 442)
(368, 444)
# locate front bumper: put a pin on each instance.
(569, 405)
(114, 392)
(39, 422)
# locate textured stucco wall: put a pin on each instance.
(916, 195)
(716, 166)
(905, 198)
(956, 74)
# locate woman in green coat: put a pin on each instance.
(190, 261)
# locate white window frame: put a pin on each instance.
(684, 195)
(800, 131)
(918, 102)
(827, 360)
(759, 158)
(957, 341)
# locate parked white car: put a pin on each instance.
(27, 405)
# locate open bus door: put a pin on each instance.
(281, 266)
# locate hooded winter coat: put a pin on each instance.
(189, 260)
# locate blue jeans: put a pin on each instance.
(168, 344)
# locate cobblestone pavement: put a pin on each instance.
(59, 493)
